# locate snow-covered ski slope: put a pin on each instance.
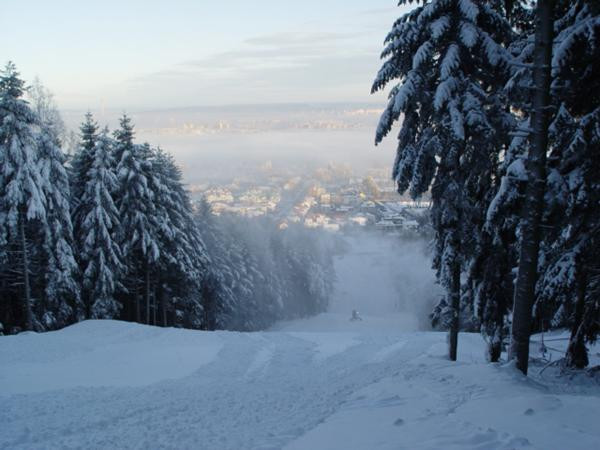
(365, 385)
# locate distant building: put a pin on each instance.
(325, 199)
(359, 220)
(215, 195)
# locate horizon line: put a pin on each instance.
(226, 106)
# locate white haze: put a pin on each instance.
(219, 143)
(224, 156)
(381, 274)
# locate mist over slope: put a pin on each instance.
(382, 274)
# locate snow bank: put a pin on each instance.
(101, 353)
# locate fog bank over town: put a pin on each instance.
(216, 143)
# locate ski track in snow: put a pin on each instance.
(281, 389)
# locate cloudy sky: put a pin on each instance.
(149, 54)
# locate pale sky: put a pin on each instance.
(146, 54)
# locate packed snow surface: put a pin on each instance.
(365, 385)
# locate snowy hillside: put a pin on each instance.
(108, 384)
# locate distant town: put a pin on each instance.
(332, 198)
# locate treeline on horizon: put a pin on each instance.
(499, 103)
(110, 233)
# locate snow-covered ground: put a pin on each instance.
(366, 385)
(319, 383)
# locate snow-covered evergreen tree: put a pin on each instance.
(124, 137)
(62, 297)
(568, 222)
(219, 301)
(98, 252)
(497, 203)
(449, 60)
(308, 271)
(82, 161)
(530, 238)
(22, 195)
(184, 261)
(567, 289)
(259, 274)
(138, 233)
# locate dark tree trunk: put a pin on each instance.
(154, 305)
(147, 292)
(87, 301)
(208, 303)
(454, 297)
(577, 355)
(536, 164)
(26, 283)
(163, 304)
(495, 348)
(495, 351)
(138, 315)
(455, 264)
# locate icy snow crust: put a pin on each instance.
(363, 386)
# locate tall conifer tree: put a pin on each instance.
(22, 196)
(449, 60)
(100, 255)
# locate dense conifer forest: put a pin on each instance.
(110, 232)
(499, 108)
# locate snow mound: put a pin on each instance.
(97, 353)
